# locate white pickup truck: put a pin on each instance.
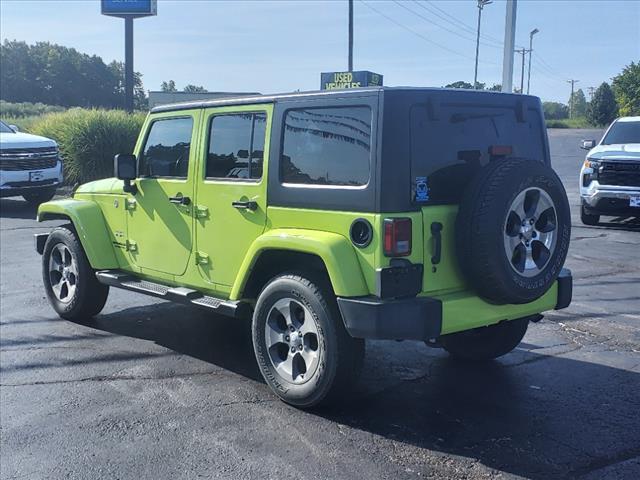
(30, 165)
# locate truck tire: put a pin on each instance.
(513, 230)
(486, 343)
(303, 350)
(69, 281)
(588, 218)
(39, 196)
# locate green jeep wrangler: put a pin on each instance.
(328, 218)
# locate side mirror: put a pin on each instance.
(126, 168)
(587, 144)
(14, 128)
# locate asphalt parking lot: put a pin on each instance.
(155, 390)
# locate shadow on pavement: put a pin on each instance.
(532, 415)
(16, 208)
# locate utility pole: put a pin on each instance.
(481, 5)
(509, 45)
(572, 82)
(523, 51)
(531, 34)
(128, 64)
(350, 35)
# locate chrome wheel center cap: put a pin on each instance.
(295, 340)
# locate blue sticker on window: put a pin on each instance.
(422, 189)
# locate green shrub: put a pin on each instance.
(580, 122)
(89, 139)
(26, 109)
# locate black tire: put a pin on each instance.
(340, 356)
(486, 343)
(483, 221)
(39, 196)
(85, 296)
(588, 218)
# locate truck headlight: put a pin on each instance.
(590, 171)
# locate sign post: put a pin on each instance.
(129, 9)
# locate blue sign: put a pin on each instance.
(362, 78)
(129, 8)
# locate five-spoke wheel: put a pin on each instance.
(530, 231)
(291, 336)
(63, 272)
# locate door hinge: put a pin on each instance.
(201, 211)
(130, 204)
(202, 258)
(131, 246)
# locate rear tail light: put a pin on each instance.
(397, 237)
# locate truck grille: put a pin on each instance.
(625, 174)
(20, 159)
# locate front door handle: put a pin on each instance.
(245, 205)
(180, 200)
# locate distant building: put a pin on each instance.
(163, 98)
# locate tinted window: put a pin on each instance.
(449, 148)
(166, 152)
(236, 146)
(623, 133)
(326, 146)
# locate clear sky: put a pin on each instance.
(276, 46)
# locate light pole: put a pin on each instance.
(350, 35)
(481, 5)
(531, 34)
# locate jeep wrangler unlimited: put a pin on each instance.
(328, 218)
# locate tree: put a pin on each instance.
(578, 103)
(194, 89)
(496, 87)
(460, 84)
(140, 100)
(169, 86)
(555, 110)
(603, 108)
(57, 75)
(626, 88)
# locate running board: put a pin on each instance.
(188, 296)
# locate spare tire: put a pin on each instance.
(512, 230)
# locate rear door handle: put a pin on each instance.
(180, 200)
(245, 205)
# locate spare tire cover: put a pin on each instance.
(513, 230)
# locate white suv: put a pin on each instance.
(30, 165)
(610, 176)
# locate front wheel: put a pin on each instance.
(588, 218)
(303, 350)
(69, 281)
(486, 343)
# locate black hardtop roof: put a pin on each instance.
(348, 92)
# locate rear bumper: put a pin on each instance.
(418, 318)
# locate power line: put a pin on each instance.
(418, 34)
(459, 34)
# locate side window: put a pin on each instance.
(236, 146)
(327, 146)
(166, 151)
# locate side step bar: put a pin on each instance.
(188, 296)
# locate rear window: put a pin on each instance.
(449, 147)
(326, 146)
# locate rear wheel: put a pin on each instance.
(40, 196)
(303, 350)
(69, 281)
(486, 343)
(588, 218)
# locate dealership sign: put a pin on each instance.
(129, 8)
(362, 78)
